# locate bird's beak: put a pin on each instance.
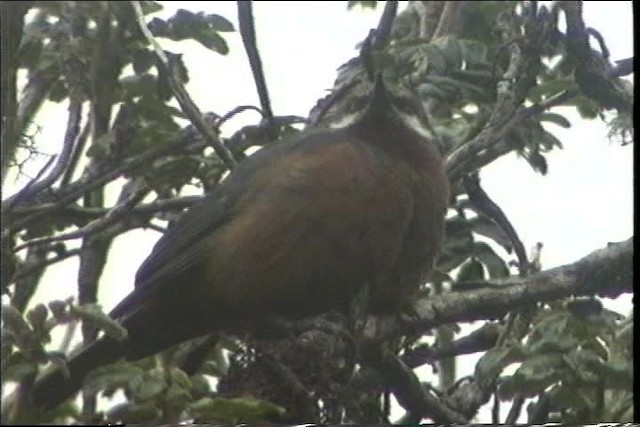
(379, 100)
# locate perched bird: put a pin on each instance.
(294, 231)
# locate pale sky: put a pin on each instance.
(584, 202)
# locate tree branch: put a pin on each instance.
(383, 31)
(68, 145)
(186, 103)
(481, 339)
(78, 189)
(111, 217)
(406, 387)
(448, 20)
(248, 34)
(606, 272)
(80, 213)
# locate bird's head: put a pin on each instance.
(377, 102)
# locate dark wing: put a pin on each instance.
(180, 247)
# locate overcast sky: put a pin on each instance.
(584, 201)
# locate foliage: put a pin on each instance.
(573, 356)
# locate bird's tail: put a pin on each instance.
(54, 387)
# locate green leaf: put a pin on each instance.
(22, 334)
(537, 162)
(547, 344)
(466, 90)
(59, 309)
(199, 386)
(495, 265)
(546, 141)
(533, 376)
(549, 326)
(428, 90)
(566, 397)
(555, 118)
(617, 375)
(587, 108)
(234, 411)
(177, 398)
(148, 7)
(135, 413)
(102, 147)
(429, 60)
(144, 84)
(450, 49)
(584, 307)
(210, 39)
(58, 92)
(476, 78)
(116, 375)
(196, 26)
(37, 316)
(150, 385)
(474, 52)
(470, 271)
(94, 314)
(487, 228)
(457, 246)
(210, 367)
(550, 88)
(143, 60)
(584, 364)
(495, 360)
(180, 378)
(219, 23)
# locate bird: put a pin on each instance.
(294, 231)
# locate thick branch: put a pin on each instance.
(605, 272)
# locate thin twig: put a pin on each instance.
(127, 165)
(94, 227)
(234, 112)
(22, 274)
(174, 204)
(514, 412)
(69, 142)
(75, 157)
(603, 46)
(13, 200)
(506, 115)
(186, 103)
(248, 34)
